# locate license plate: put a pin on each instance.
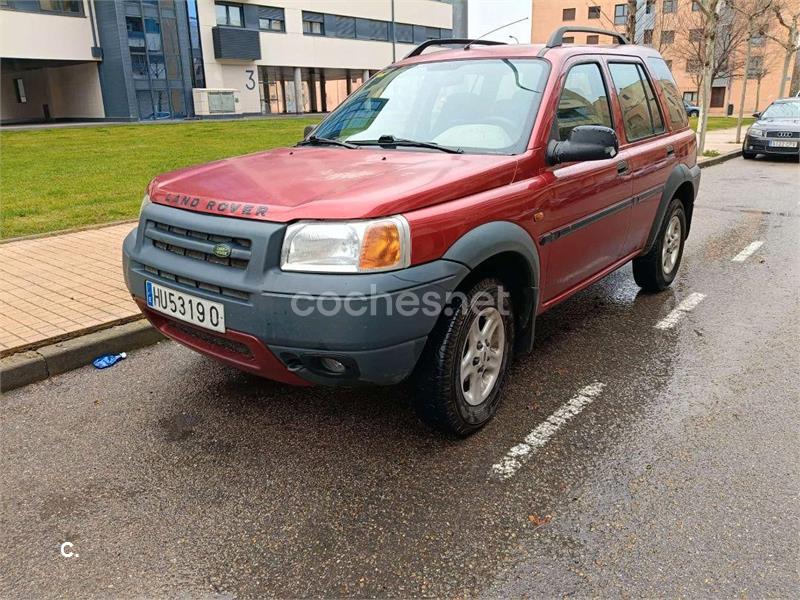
(185, 307)
(783, 143)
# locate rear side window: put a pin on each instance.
(675, 111)
(584, 100)
(641, 116)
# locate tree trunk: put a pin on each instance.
(712, 22)
(758, 94)
(631, 26)
(787, 61)
(744, 90)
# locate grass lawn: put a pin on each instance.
(61, 178)
(721, 122)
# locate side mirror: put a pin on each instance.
(585, 142)
(309, 129)
(757, 115)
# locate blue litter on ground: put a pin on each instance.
(108, 360)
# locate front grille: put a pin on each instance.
(210, 338)
(783, 134)
(198, 245)
(201, 285)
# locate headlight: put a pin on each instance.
(347, 246)
(145, 202)
(759, 133)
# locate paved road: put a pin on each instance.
(680, 476)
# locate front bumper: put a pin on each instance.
(280, 324)
(756, 145)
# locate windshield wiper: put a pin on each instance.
(390, 140)
(313, 140)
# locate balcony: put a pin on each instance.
(236, 43)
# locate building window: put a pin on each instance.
(695, 6)
(74, 7)
(313, 23)
(370, 29)
(648, 37)
(568, 39)
(694, 65)
(594, 12)
(568, 14)
(19, 89)
(404, 33)
(267, 24)
(669, 64)
(695, 35)
(620, 14)
(690, 98)
(229, 14)
(667, 37)
(592, 39)
(650, 7)
(757, 40)
(756, 67)
(669, 6)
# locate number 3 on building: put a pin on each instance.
(251, 83)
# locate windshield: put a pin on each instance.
(782, 110)
(479, 106)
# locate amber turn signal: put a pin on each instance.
(382, 247)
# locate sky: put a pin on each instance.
(485, 15)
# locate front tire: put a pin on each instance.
(748, 155)
(460, 375)
(656, 270)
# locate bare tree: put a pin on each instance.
(753, 12)
(787, 12)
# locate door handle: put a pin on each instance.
(670, 151)
(622, 167)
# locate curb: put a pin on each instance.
(29, 367)
(719, 159)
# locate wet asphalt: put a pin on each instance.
(173, 475)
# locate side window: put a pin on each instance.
(583, 101)
(641, 116)
(675, 111)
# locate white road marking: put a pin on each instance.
(688, 305)
(748, 252)
(537, 438)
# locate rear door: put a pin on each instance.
(587, 212)
(645, 143)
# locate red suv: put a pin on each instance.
(420, 228)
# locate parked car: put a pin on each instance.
(776, 132)
(486, 183)
(691, 109)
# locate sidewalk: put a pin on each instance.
(723, 141)
(58, 286)
(70, 284)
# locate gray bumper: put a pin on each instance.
(300, 317)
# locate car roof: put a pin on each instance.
(555, 54)
(785, 100)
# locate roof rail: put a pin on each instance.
(557, 37)
(451, 42)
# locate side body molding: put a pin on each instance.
(491, 239)
(680, 175)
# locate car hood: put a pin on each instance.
(778, 124)
(329, 183)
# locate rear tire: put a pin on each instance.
(656, 270)
(459, 378)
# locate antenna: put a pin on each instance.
(466, 47)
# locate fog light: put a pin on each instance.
(332, 365)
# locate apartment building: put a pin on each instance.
(162, 59)
(673, 27)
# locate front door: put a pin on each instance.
(588, 212)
